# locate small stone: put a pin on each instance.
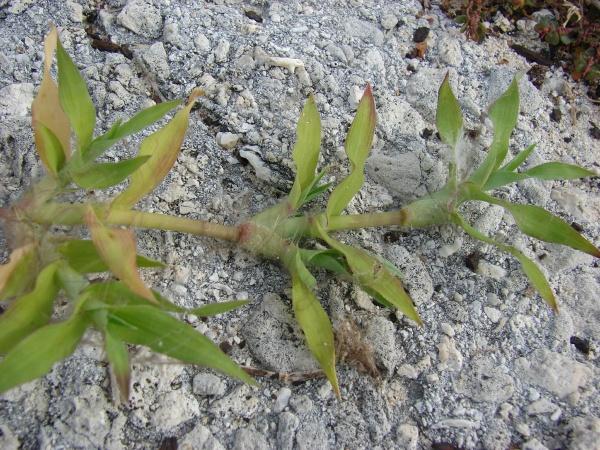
(382, 334)
(363, 300)
(447, 329)
(490, 270)
(15, 99)
(222, 51)
(420, 34)
(171, 34)
(245, 63)
(584, 433)
(407, 437)
(75, 11)
(208, 385)
(449, 51)
(249, 439)
(8, 440)
(355, 96)
(493, 314)
(324, 390)
(534, 444)
(553, 371)
(202, 43)
(449, 356)
(282, 400)
(173, 409)
(408, 371)
(200, 438)
(389, 21)
(286, 430)
(142, 18)
(542, 406)
(156, 59)
(228, 140)
(451, 249)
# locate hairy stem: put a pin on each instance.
(68, 214)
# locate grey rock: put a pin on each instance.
(415, 275)
(395, 117)
(534, 444)
(15, 99)
(483, 380)
(584, 433)
(142, 18)
(541, 406)
(283, 397)
(202, 43)
(200, 438)
(249, 439)
(262, 171)
(389, 21)
(75, 11)
(450, 52)
(422, 90)
(155, 57)
(497, 436)
(400, 174)
(208, 384)
(8, 440)
(274, 338)
(173, 409)
(363, 30)
(312, 434)
(553, 371)
(228, 140)
(374, 61)
(407, 437)
(222, 51)
(381, 333)
(286, 430)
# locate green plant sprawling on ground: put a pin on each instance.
(44, 264)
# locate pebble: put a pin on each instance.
(15, 99)
(541, 406)
(228, 140)
(286, 430)
(389, 21)
(407, 437)
(493, 314)
(381, 333)
(202, 43)
(207, 384)
(449, 51)
(199, 438)
(155, 57)
(449, 356)
(75, 11)
(282, 400)
(142, 18)
(174, 408)
(222, 51)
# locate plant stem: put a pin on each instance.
(67, 214)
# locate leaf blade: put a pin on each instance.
(104, 175)
(74, 98)
(358, 144)
(163, 147)
(146, 325)
(37, 353)
(306, 150)
(46, 109)
(448, 117)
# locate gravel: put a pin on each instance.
(491, 368)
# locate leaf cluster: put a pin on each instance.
(43, 266)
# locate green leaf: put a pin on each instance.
(114, 293)
(29, 312)
(163, 147)
(116, 247)
(54, 154)
(104, 175)
(358, 145)
(306, 150)
(18, 274)
(374, 276)
(316, 327)
(326, 259)
(519, 159)
(502, 178)
(530, 269)
(144, 119)
(300, 269)
(46, 111)
(148, 326)
(540, 224)
(503, 114)
(448, 118)
(118, 358)
(559, 171)
(37, 353)
(71, 280)
(83, 257)
(547, 171)
(74, 98)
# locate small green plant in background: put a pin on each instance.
(35, 332)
